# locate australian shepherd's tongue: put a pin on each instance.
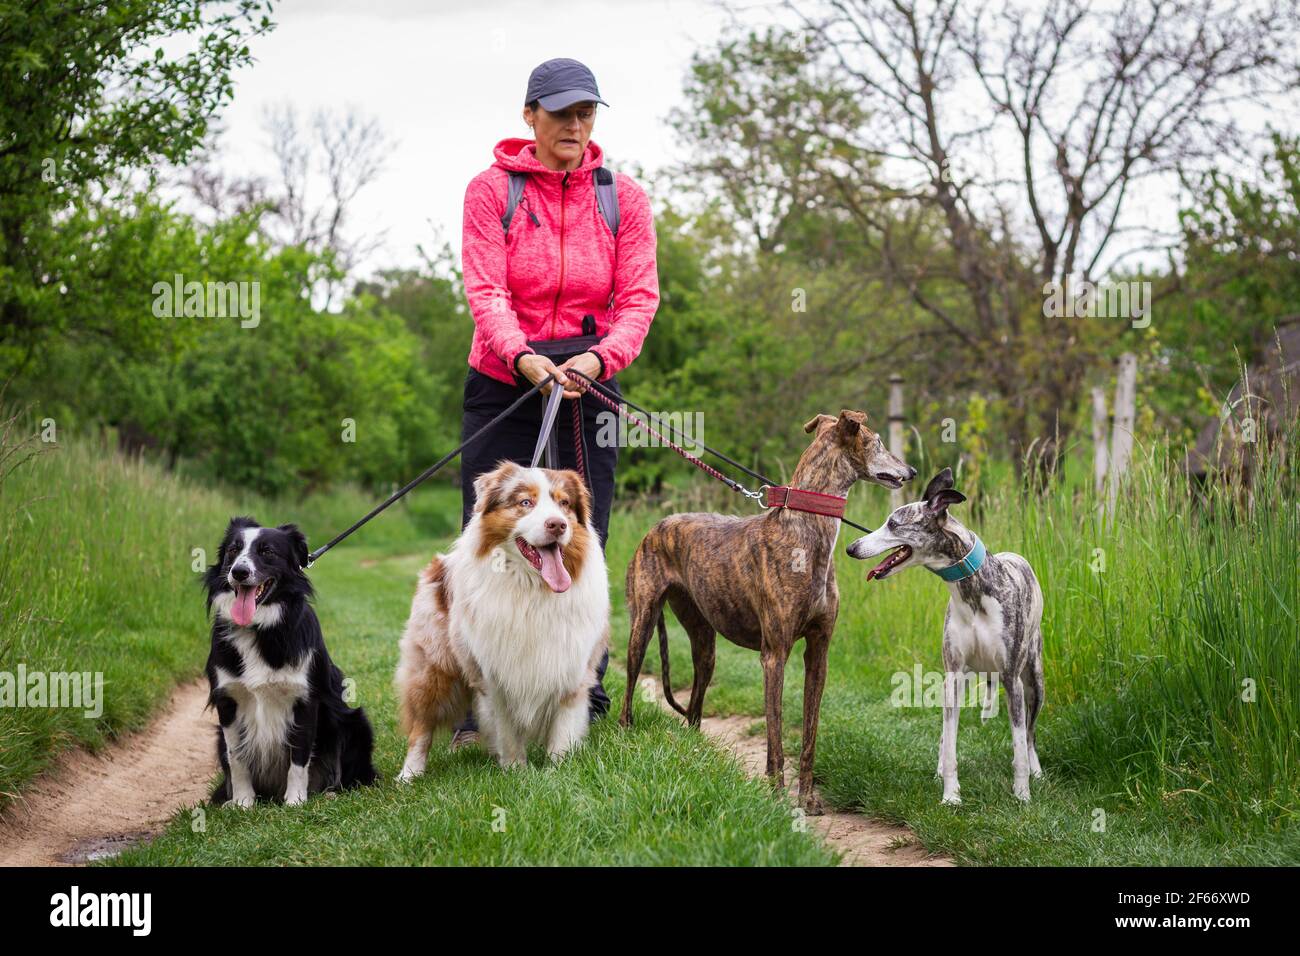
(241, 612)
(549, 561)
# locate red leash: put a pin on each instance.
(777, 496)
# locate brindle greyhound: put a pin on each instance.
(762, 581)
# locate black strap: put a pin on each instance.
(428, 472)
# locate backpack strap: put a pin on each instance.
(514, 195)
(606, 197)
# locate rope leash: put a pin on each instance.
(769, 495)
(777, 496)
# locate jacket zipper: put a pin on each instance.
(555, 308)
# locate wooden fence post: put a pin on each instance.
(1100, 453)
(1121, 437)
(896, 430)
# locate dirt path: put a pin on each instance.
(860, 840)
(92, 805)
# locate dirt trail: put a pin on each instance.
(860, 840)
(92, 805)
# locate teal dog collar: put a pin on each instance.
(967, 566)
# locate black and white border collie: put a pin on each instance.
(286, 731)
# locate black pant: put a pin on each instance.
(514, 439)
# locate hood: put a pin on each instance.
(520, 155)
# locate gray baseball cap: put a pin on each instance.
(560, 83)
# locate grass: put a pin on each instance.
(655, 795)
(1172, 714)
(98, 574)
(1156, 624)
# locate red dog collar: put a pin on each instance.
(796, 499)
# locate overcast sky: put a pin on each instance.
(446, 78)
(446, 81)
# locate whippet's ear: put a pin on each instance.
(851, 422)
(937, 484)
(489, 486)
(938, 505)
(817, 422)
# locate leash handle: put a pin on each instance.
(548, 423)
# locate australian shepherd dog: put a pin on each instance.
(513, 619)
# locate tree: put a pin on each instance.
(1240, 276)
(1002, 143)
(88, 95)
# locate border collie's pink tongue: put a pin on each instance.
(241, 612)
(554, 573)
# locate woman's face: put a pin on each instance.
(562, 136)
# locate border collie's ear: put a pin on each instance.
(488, 486)
(298, 541)
(938, 483)
(815, 423)
(938, 505)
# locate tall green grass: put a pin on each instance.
(1159, 622)
(97, 574)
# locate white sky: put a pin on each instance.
(446, 81)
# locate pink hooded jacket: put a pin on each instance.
(538, 281)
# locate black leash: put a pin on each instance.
(552, 407)
(428, 472)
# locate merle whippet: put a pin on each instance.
(993, 624)
(763, 582)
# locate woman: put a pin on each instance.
(557, 283)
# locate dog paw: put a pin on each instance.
(952, 799)
(241, 800)
(295, 794)
(408, 774)
(1021, 792)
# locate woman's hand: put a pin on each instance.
(536, 367)
(587, 363)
